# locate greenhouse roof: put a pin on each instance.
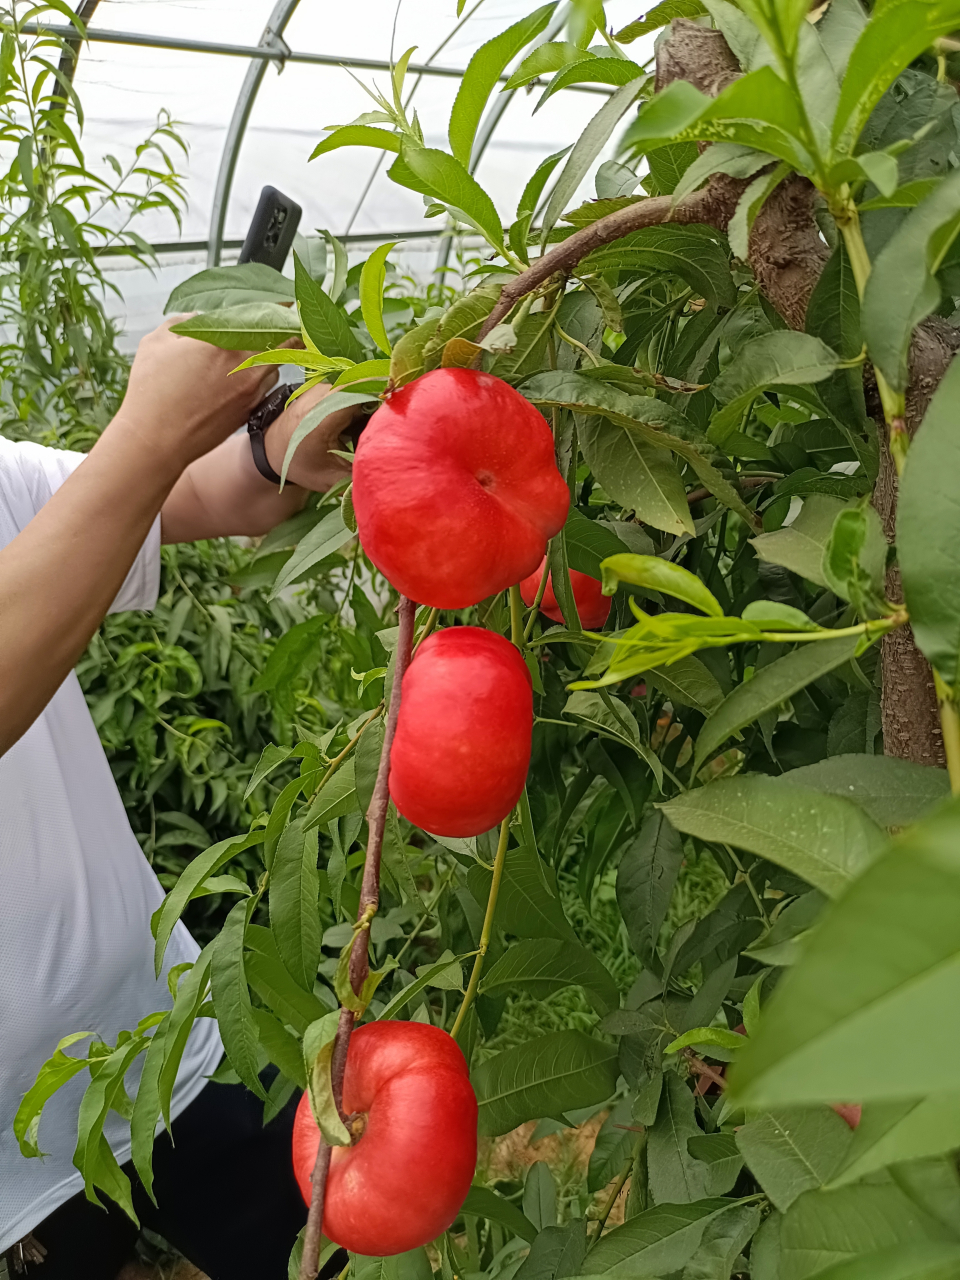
(251, 89)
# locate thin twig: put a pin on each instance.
(487, 929)
(359, 956)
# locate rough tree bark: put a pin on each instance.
(787, 254)
(911, 719)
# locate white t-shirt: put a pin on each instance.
(76, 896)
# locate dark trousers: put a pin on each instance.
(226, 1199)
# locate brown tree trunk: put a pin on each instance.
(908, 700)
(787, 255)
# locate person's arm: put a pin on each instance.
(60, 575)
(223, 493)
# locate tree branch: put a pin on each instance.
(359, 955)
(701, 206)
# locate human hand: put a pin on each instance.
(183, 397)
(313, 466)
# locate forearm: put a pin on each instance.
(59, 576)
(223, 494)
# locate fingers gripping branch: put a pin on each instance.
(359, 956)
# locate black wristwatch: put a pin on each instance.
(263, 416)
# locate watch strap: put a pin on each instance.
(263, 416)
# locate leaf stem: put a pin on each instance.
(614, 1195)
(894, 407)
(516, 618)
(950, 724)
(748, 882)
(487, 929)
(537, 600)
(338, 760)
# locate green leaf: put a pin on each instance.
(105, 1090)
(698, 255)
(896, 35)
(357, 135)
(336, 798)
(204, 866)
(894, 793)
(274, 985)
(659, 575)
(323, 539)
(893, 1132)
(406, 360)
(526, 906)
(928, 531)
(318, 1045)
(708, 1037)
(769, 688)
(833, 315)
(902, 288)
(613, 1147)
(795, 1150)
(483, 1202)
(462, 320)
(722, 157)
(324, 323)
(855, 560)
(749, 206)
(636, 474)
(372, 277)
(220, 287)
(446, 974)
(280, 1046)
(588, 542)
(545, 59)
(658, 17)
(557, 1252)
(480, 78)
(540, 1195)
(294, 903)
(270, 758)
(616, 71)
(888, 954)
(191, 993)
(586, 149)
(146, 1110)
(916, 1260)
(673, 1175)
(850, 1234)
(443, 178)
(824, 839)
(656, 1242)
(780, 358)
(643, 417)
(283, 666)
(800, 546)
(530, 199)
(543, 1077)
(645, 880)
(541, 966)
(687, 683)
(757, 110)
(231, 997)
(252, 326)
(366, 371)
(53, 1075)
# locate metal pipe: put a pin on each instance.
(263, 54)
(201, 246)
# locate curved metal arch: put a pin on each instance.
(271, 39)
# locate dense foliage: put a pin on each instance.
(720, 460)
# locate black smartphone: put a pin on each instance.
(272, 230)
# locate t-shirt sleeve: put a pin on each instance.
(29, 477)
